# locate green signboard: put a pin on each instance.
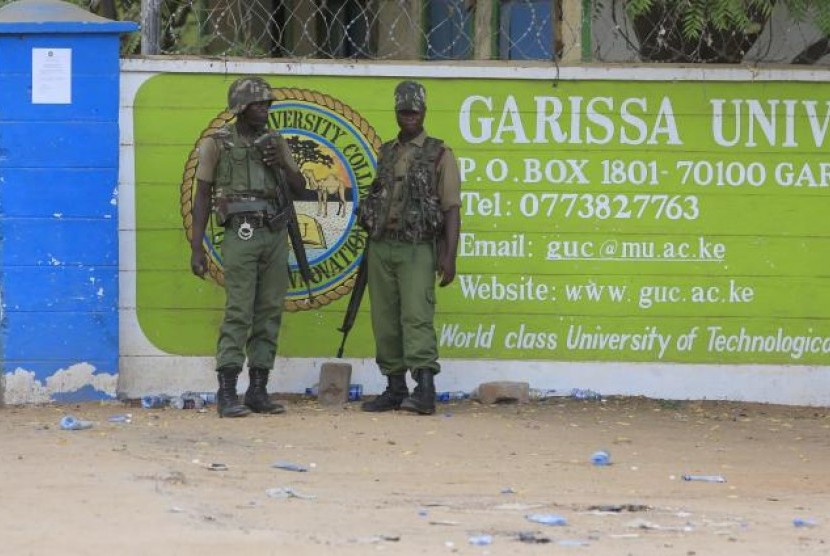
(601, 221)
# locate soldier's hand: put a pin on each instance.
(446, 270)
(272, 152)
(198, 263)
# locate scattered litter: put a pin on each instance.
(188, 400)
(287, 492)
(155, 401)
(457, 395)
(517, 506)
(481, 540)
(651, 526)
(601, 457)
(642, 524)
(572, 543)
(623, 536)
(444, 522)
(802, 522)
(121, 418)
(585, 394)
(619, 508)
(508, 490)
(217, 467)
(355, 392)
(422, 512)
(288, 466)
(705, 478)
(70, 423)
(532, 538)
(547, 519)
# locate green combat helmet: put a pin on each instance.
(247, 90)
(410, 95)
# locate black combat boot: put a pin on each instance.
(422, 399)
(256, 397)
(391, 398)
(227, 404)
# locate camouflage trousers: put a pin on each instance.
(256, 280)
(402, 296)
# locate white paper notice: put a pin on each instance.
(51, 76)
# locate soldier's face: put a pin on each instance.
(410, 121)
(256, 113)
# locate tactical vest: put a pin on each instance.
(421, 218)
(243, 182)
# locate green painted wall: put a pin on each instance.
(602, 220)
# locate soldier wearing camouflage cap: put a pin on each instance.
(244, 168)
(412, 216)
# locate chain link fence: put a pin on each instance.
(561, 31)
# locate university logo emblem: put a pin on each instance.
(336, 150)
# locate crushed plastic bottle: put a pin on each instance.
(288, 466)
(155, 401)
(121, 418)
(188, 400)
(705, 478)
(601, 457)
(355, 392)
(804, 522)
(585, 394)
(547, 519)
(312, 391)
(481, 540)
(207, 397)
(538, 395)
(70, 423)
(456, 395)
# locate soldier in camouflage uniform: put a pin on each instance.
(412, 216)
(243, 168)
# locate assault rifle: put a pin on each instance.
(293, 226)
(360, 281)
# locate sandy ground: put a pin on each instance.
(402, 484)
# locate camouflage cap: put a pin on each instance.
(247, 90)
(410, 95)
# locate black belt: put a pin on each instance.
(257, 220)
(254, 219)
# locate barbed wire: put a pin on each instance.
(510, 30)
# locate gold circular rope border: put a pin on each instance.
(189, 178)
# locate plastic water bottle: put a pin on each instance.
(481, 540)
(155, 401)
(585, 394)
(207, 397)
(547, 519)
(705, 478)
(355, 392)
(188, 400)
(537, 395)
(451, 396)
(804, 522)
(121, 418)
(601, 457)
(70, 423)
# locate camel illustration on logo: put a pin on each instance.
(330, 185)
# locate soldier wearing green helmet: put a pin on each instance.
(244, 168)
(412, 216)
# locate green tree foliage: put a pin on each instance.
(713, 30)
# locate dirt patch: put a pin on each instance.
(472, 479)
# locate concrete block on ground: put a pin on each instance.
(333, 388)
(504, 392)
